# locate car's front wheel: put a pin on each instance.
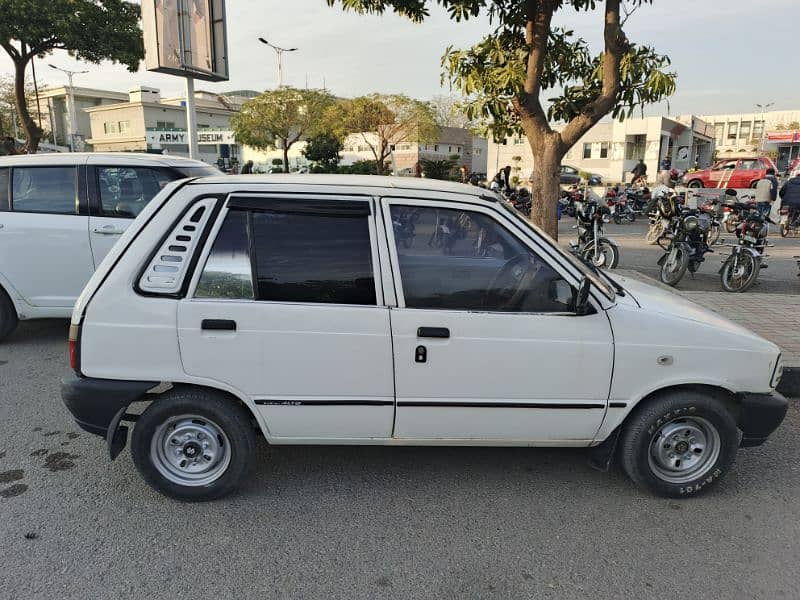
(8, 316)
(193, 444)
(679, 444)
(695, 183)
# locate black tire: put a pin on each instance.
(751, 267)
(642, 435)
(230, 417)
(631, 216)
(695, 183)
(617, 219)
(8, 316)
(672, 278)
(713, 234)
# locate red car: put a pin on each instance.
(731, 173)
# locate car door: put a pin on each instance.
(44, 246)
(747, 171)
(118, 193)
(486, 344)
(287, 310)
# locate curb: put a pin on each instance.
(790, 382)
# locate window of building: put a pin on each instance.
(313, 258)
(635, 147)
(125, 191)
(604, 149)
(518, 141)
(733, 130)
(744, 130)
(44, 190)
(436, 148)
(404, 147)
(719, 133)
(227, 273)
(124, 126)
(165, 124)
(758, 130)
(464, 260)
(477, 151)
(110, 128)
(587, 151)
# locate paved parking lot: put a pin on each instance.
(367, 522)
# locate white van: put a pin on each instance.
(398, 311)
(59, 216)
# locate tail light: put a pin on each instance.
(73, 347)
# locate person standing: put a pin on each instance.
(506, 182)
(247, 169)
(766, 193)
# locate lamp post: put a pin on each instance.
(764, 108)
(71, 102)
(279, 54)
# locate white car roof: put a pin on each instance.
(366, 181)
(81, 158)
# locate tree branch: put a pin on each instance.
(11, 50)
(615, 46)
(539, 14)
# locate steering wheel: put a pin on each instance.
(522, 268)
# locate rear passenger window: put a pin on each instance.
(4, 190)
(228, 273)
(125, 191)
(313, 258)
(44, 190)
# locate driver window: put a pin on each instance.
(464, 260)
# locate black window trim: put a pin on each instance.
(80, 198)
(7, 203)
(544, 253)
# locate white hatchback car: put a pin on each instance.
(368, 310)
(59, 216)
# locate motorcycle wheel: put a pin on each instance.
(730, 225)
(654, 232)
(631, 216)
(713, 235)
(739, 275)
(607, 255)
(671, 274)
(617, 219)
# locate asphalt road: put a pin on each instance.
(364, 522)
(780, 277)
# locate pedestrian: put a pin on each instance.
(497, 182)
(766, 192)
(639, 173)
(506, 183)
(247, 169)
(790, 193)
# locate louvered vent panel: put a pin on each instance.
(165, 273)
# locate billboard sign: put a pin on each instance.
(186, 38)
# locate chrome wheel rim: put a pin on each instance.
(190, 450)
(684, 449)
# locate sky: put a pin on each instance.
(728, 54)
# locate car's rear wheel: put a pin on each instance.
(193, 444)
(8, 316)
(679, 444)
(695, 183)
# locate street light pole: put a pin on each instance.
(71, 102)
(279, 55)
(763, 108)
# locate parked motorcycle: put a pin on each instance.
(619, 207)
(686, 242)
(789, 220)
(569, 200)
(658, 225)
(592, 245)
(740, 270)
(732, 208)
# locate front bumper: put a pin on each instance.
(760, 415)
(94, 403)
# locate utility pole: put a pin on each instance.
(71, 102)
(764, 108)
(279, 54)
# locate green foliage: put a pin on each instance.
(89, 30)
(323, 150)
(278, 162)
(392, 119)
(360, 167)
(439, 169)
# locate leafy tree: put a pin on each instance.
(323, 150)
(451, 112)
(90, 30)
(438, 169)
(360, 167)
(279, 118)
(505, 74)
(385, 120)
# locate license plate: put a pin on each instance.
(749, 238)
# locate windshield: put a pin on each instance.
(596, 276)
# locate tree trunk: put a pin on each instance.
(33, 132)
(285, 157)
(547, 154)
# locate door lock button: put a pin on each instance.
(421, 354)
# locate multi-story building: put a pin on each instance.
(148, 123)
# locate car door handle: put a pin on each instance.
(107, 230)
(433, 332)
(218, 325)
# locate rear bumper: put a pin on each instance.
(761, 414)
(95, 402)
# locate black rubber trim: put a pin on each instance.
(449, 404)
(218, 324)
(324, 402)
(760, 415)
(433, 332)
(323, 207)
(94, 403)
(618, 404)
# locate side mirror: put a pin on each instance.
(582, 297)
